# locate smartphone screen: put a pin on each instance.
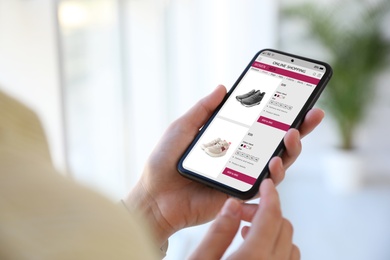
(272, 95)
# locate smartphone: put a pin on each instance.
(273, 94)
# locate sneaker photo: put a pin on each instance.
(253, 100)
(211, 143)
(250, 93)
(218, 149)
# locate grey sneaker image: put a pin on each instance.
(253, 100)
(241, 97)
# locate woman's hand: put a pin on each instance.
(268, 238)
(170, 202)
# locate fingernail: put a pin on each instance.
(323, 112)
(231, 208)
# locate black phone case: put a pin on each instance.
(278, 150)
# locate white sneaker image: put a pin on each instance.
(211, 143)
(218, 149)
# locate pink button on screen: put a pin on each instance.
(239, 176)
(270, 122)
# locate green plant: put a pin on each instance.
(357, 50)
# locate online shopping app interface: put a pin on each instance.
(239, 142)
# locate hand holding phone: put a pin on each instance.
(273, 94)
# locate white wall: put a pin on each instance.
(29, 64)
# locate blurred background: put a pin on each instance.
(106, 77)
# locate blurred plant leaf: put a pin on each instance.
(358, 52)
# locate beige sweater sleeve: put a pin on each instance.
(43, 215)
